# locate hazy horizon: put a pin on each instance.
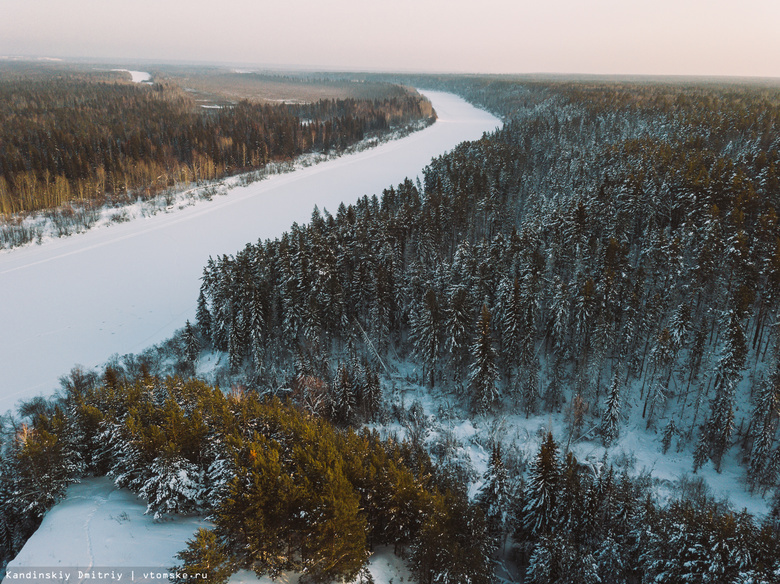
(602, 38)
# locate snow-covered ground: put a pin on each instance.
(120, 289)
(98, 527)
(137, 76)
(637, 449)
(101, 530)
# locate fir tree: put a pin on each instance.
(494, 496)
(483, 377)
(425, 325)
(540, 513)
(204, 554)
(202, 315)
(610, 421)
(191, 343)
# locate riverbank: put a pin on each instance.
(80, 300)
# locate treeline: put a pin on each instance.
(286, 490)
(75, 138)
(584, 254)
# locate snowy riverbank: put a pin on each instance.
(118, 290)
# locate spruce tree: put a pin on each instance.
(425, 324)
(494, 496)
(541, 513)
(483, 377)
(205, 554)
(175, 485)
(202, 315)
(459, 327)
(610, 421)
(191, 343)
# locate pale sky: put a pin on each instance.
(662, 37)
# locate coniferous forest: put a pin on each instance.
(612, 252)
(73, 136)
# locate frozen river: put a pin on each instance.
(119, 289)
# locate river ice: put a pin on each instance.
(119, 289)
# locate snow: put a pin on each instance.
(637, 449)
(102, 528)
(137, 76)
(384, 565)
(117, 290)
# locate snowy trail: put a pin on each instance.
(100, 527)
(118, 289)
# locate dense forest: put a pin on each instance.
(612, 252)
(612, 244)
(288, 490)
(79, 137)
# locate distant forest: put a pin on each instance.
(80, 137)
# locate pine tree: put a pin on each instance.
(483, 376)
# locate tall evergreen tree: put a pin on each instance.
(494, 496)
(425, 333)
(483, 377)
(610, 421)
(541, 513)
(191, 343)
(202, 315)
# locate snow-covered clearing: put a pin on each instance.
(100, 529)
(120, 289)
(447, 426)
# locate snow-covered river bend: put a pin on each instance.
(119, 289)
